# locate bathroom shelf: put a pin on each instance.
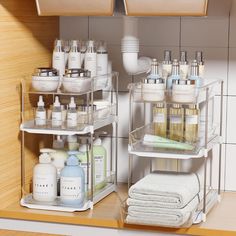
(30, 127)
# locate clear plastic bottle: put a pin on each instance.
(56, 113)
(191, 123)
(58, 59)
(74, 57)
(90, 59)
(160, 119)
(72, 114)
(176, 123)
(40, 116)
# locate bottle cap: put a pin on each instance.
(57, 102)
(97, 142)
(73, 43)
(72, 103)
(58, 42)
(40, 102)
(90, 43)
(167, 57)
(72, 160)
(44, 158)
(102, 47)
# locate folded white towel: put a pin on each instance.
(162, 216)
(164, 189)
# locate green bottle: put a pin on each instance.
(100, 164)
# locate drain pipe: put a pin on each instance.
(130, 48)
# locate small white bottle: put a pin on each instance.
(183, 65)
(72, 114)
(90, 59)
(74, 58)
(102, 58)
(40, 116)
(56, 113)
(44, 180)
(58, 59)
(201, 66)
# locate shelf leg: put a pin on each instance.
(130, 171)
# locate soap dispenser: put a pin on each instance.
(74, 56)
(154, 73)
(44, 180)
(194, 74)
(200, 61)
(183, 65)
(72, 181)
(166, 65)
(58, 58)
(40, 117)
(90, 58)
(100, 164)
(175, 74)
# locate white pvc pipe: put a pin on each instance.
(130, 48)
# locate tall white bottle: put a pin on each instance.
(166, 65)
(58, 58)
(40, 117)
(200, 61)
(45, 180)
(83, 48)
(183, 65)
(102, 58)
(90, 59)
(74, 57)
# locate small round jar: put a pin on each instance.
(184, 91)
(153, 90)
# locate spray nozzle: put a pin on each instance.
(40, 102)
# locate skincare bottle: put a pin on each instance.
(74, 60)
(194, 74)
(72, 114)
(166, 65)
(200, 61)
(66, 44)
(72, 182)
(102, 58)
(58, 60)
(191, 123)
(174, 75)
(154, 73)
(183, 65)
(176, 122)
(40, 117)
(100, 164)
(90, 59)
(56, 113)
(160, 119)
(44, 180)
(83, 49)
(72, 142)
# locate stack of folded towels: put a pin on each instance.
(164, 199)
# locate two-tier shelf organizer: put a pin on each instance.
(210, 122)
(101, 86)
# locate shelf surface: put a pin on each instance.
(30, 127)
(220, 221)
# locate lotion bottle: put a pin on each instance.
(72, 182)
(72, 114)
(56, 113)
(200, 61)
(194, 74)
(74, 57)
(44, 180)
(90, 59)
(102, 58)
(58, 60)
(154, 73)
(166, 65)
(183, 65)
(40, 117)
(175, 75)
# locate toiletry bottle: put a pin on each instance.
(154, 73)
(85, 160)
(102, 58)
(56, 113)
(44, 180)
(183, 65)
(72, 182)
(100, 164)
(58, 60)
(74, 60)
(72, 142)
(191, 123)
(166, 65)
(176, 122)
(160, 119)
(194, 74)
(174, 75)
(200, 61)
(90, 59)
(66, 44)
(40, 116)
(72, 114)
(83, 48)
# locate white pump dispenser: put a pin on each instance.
(72, 114)
(40, 118)
(74, 57)
(58, 59)
(56, 113)
(90, 59)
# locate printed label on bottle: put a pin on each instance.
(71, 188)
(56, 119)
(40, 118)
(91, 63)
(191, 119)
(175, 119)
(159, 118)
(74, 60)
(85, 167)
(99, 169)
(44, 186)
(71, 119)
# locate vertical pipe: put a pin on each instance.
(116, 124)
(92, 166)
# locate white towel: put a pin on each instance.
(164, 189)
(162, 216)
